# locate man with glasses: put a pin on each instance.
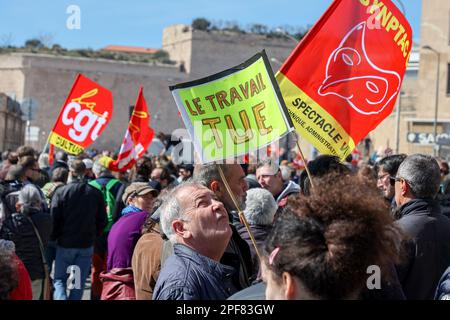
(427, 230)
(386, 170)
(269, 177)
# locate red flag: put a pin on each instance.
(51, 158)
(137, 137)
(83, 117)
(344, 77)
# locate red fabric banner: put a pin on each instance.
(344, 77)
(137, 137)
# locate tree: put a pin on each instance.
(34, 44)
(258, 28)
(201, 24)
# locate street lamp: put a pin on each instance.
(437, 96)
(397, 127)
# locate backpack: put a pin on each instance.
(109, 198)
(8, 198)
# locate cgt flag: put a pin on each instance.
(343, 78)
(137, 137)
(84, 116)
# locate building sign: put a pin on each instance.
(424, 138)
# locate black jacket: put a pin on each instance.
(79, 215)
(19, 229)
(260, 234)
(428, 249)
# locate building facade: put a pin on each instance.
(12, 127)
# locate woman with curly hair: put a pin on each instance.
(325, 245)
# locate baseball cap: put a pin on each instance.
(138, 189)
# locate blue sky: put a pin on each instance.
(140, 22)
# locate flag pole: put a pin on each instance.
(241, 213)
(306, 166)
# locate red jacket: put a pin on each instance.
(23, 290)
(118, 284)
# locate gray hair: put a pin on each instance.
(422, 174)
(271, 163)
(207, 173)
(260, 207)
(43, 160)
(30, 196)
(99, 170)
(171, 209)
(285, 172)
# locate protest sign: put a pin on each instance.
(83, 117)
(233, 112)
(343, 78)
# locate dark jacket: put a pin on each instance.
(79, 215)
(427, 250)
(19, 229)
(101, 245)
(260, 234)
(188, 275)
(443, 288)
(238, 255)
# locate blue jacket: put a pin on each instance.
(443, 288)
(188, 275)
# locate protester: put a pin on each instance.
(124, 234)
(11, 160)
(269, 177)
(237, 253)
(140, 173)
(185, 171)
(260, 209)
(428, 249)
(29, 228)
(89, 174)
(79, 217)
(322, 246)
(387, 169)
(146, 260)
(9, 273)
(198, 226)
(109, 186)
(59, 179)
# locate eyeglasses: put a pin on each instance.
(393, 179)
(383, 176)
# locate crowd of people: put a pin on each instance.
(376, 230)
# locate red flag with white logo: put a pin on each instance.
(137, 137)
(83, 117)
(344, 77)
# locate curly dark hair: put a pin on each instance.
(329, 239)
(9, 278)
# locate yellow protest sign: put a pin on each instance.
(233, 112)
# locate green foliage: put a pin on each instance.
(201, 24)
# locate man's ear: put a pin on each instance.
(289, 286)
(180, 230)
(405, 188)
(214, 186)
